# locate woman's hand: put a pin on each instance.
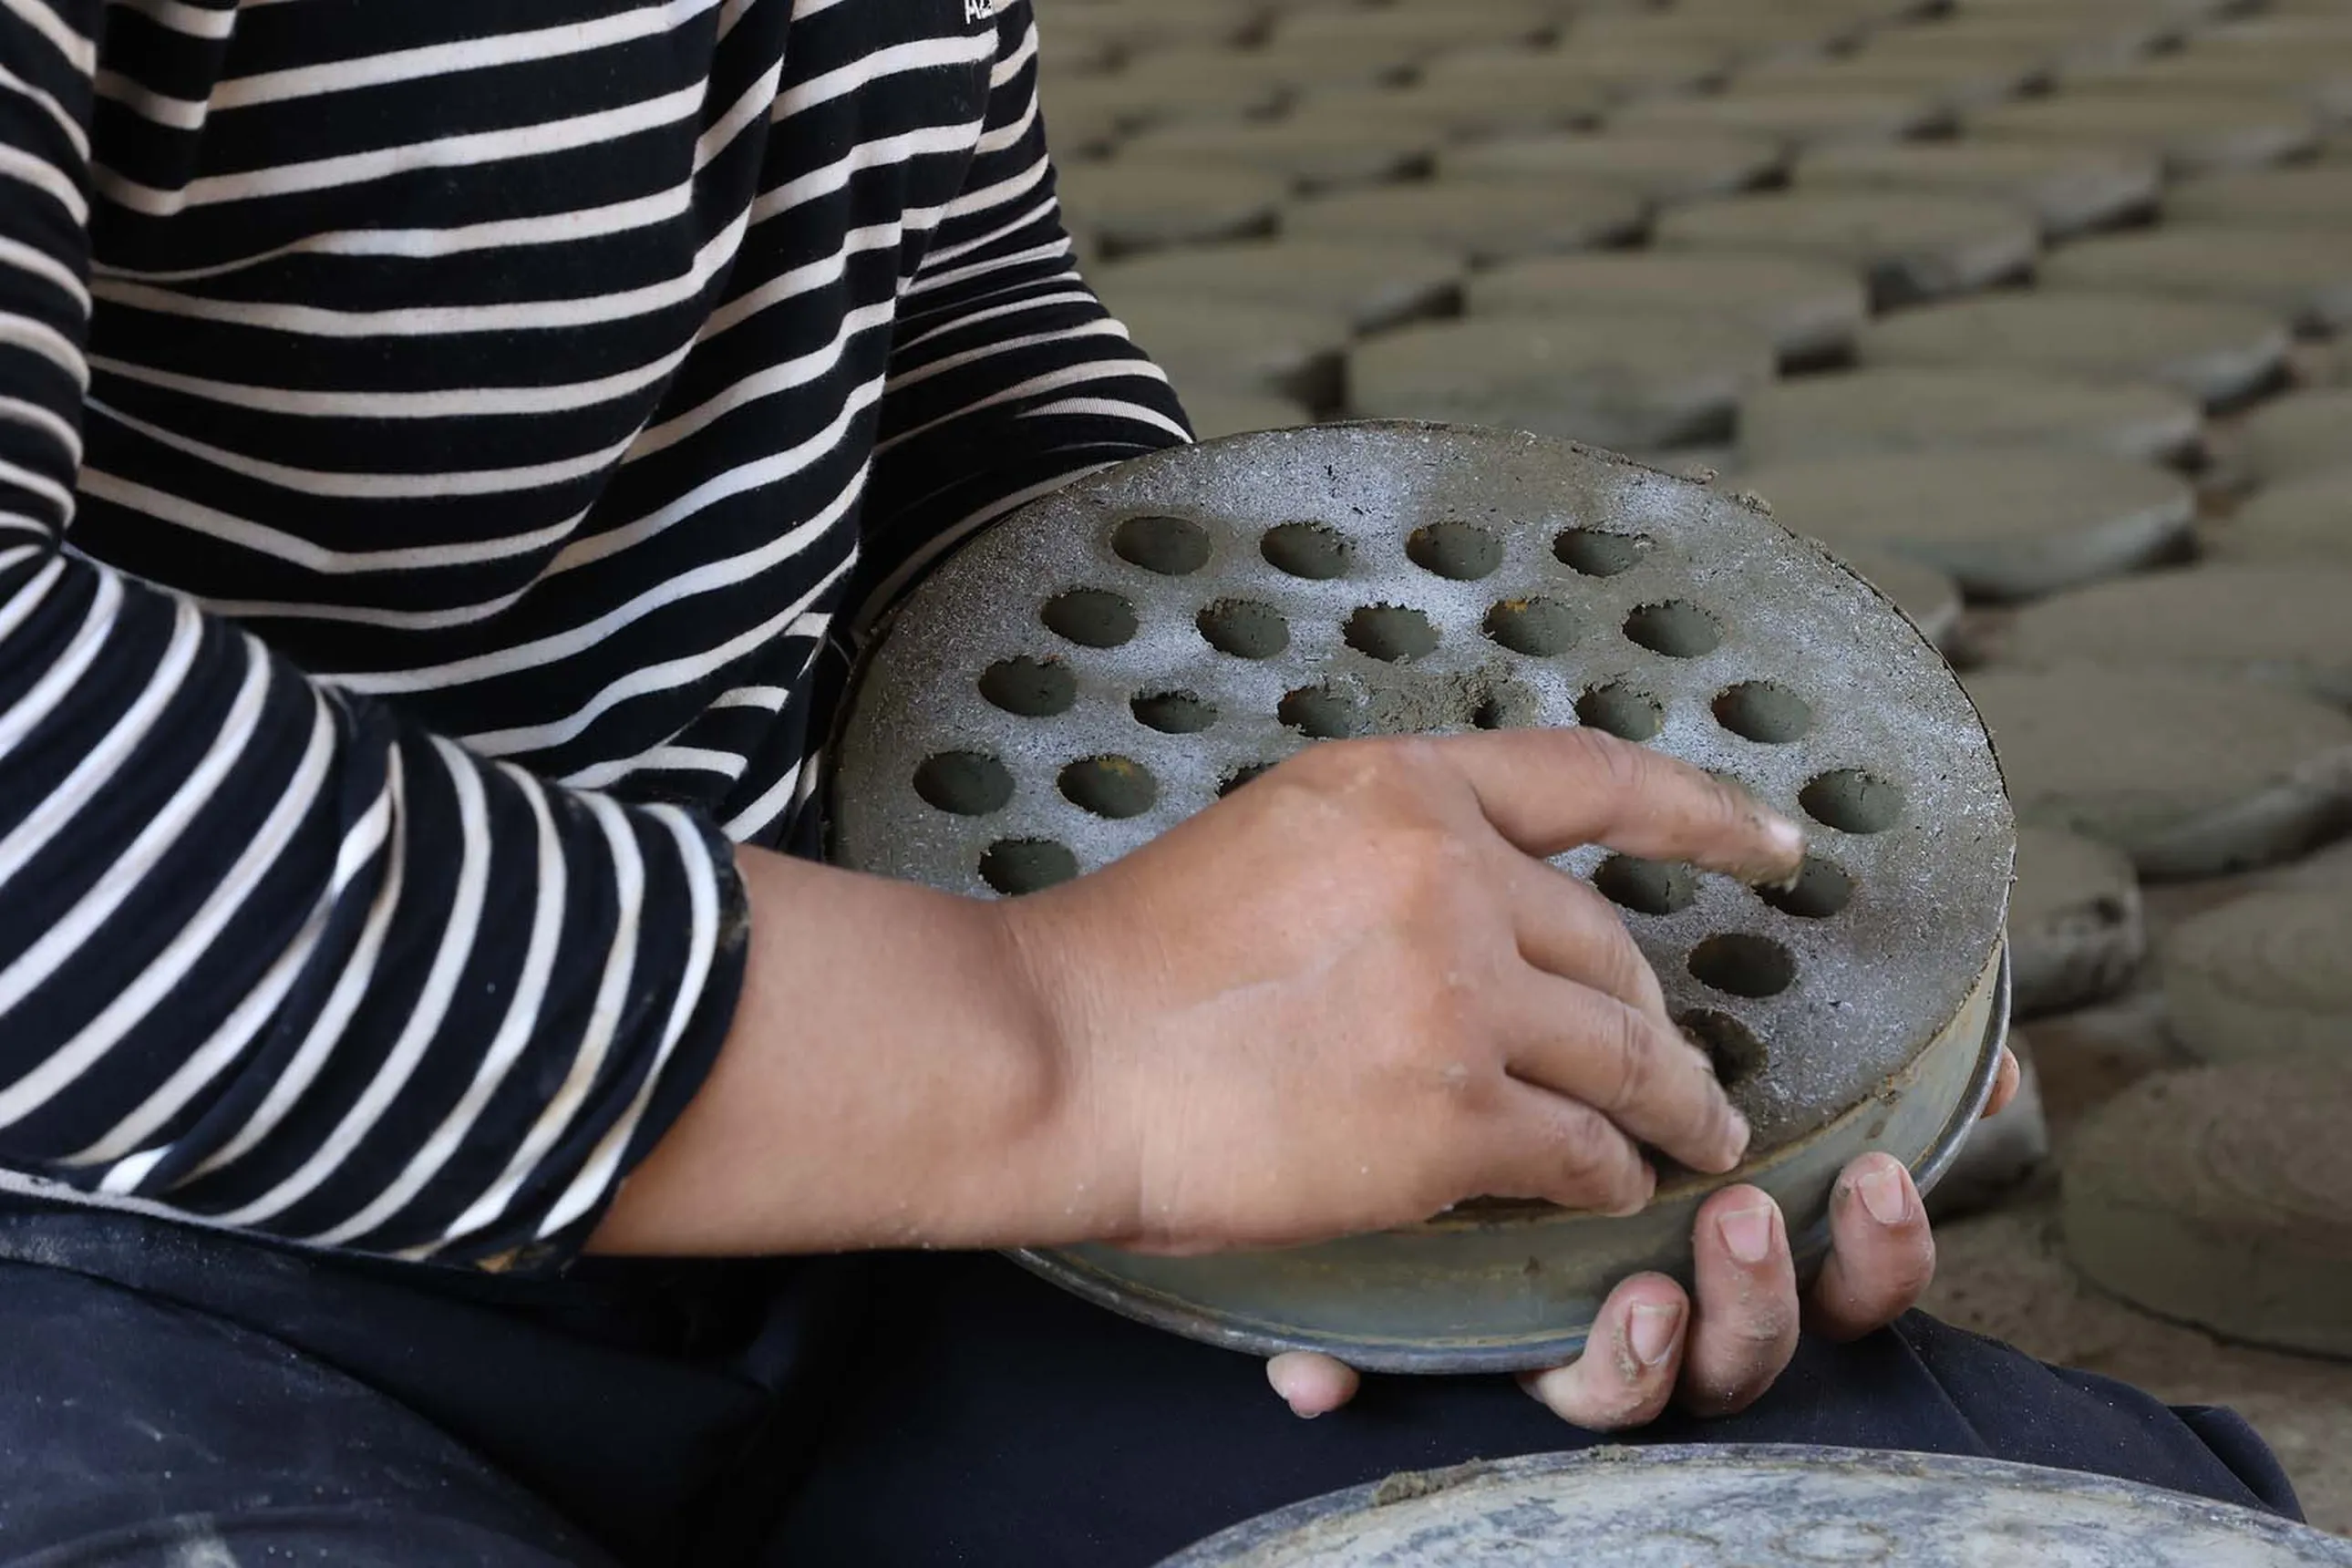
(1650, 1348)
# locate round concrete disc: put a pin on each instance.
(1664, 169)
(1094, 670)
(2307, 519)
(2070, 191)
(1123, 100)
(1929, 598)
(2267, 198)
(2263, 977)
(2057, 37)
(2006, 525)
(2280, 623)
(1489, 220)
(1404, 36)
(2190, 775)
(1215, 413)
(1811, 310)
(2192, 134)
(1229, 346)
(1623, 380)
(1726, 1506)
(1461, 110)
(1795, 118)
(1744, 34)
(1311, 154)
(2076, 932)
(1377, 285)
(1133, 204)
(2301, 434)
(2216, 1197)
(2215, 350)
(1912, 410)
(2321, 82)
(1907, 247)
(2304, 275)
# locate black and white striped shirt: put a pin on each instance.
(439, 442)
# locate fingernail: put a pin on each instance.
(1747, 1233)
(1740, 1136)
(1788, 838)
(1651, 1330)
(1883, 1194)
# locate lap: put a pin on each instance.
(999, 1420)
(133, 1431)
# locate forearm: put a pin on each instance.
(891, 1079)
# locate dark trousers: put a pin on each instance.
(168, 1396)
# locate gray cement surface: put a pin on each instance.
(1902, 410)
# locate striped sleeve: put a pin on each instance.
(272, 957)
(1008, 378)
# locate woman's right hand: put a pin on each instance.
(1353, 993)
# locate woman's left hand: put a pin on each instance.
(1652, 1345)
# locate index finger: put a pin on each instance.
(1549, 791)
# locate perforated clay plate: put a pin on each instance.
(1109, 660)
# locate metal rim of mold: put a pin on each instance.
(1714, 1505)
(1089, 671)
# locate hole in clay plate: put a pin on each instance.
(1536, 627)
(1244, 629)
(1170, 546)
(966, 783)
(1455, 551)
(1116, 788)
(1320, 713)
(1029, 687)
(1390, 632)
(1821, 891)
(1089, 617)
(1743, 965)
(1675, 629)
(1490, 714)
(1240, 776)
(1017, 865)
(1767, 714)
(1306, 549)
(1646, 887)
(1173, 712)
(1730, 1045)
(1592, 553)
(1852, 801)
(1622, 712)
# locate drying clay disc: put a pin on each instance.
(1811, 310)
(2197, 134)
(1801, 118)
(2190, 775)
(1897, 410)
(1928, 598)
(1629, 379)
(1376, 285)
(2070, 191)
(2076, 932)
(1228, 346)
(1456, 111)
(2007, 526)
(1908, 248)
(1489, 220)
(1093, 107)
(1215, 413)
(2284, 623)
(1610, 69)
(1948, 82)
(2215, 350)
(1313, 155)
(2320, 83)
(2307, 433)
(2218, 1197)
(2304, 275)
(2267, 198)
(2305, 519)
(1664, 169)
(2263, 977)
(1126, 205)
